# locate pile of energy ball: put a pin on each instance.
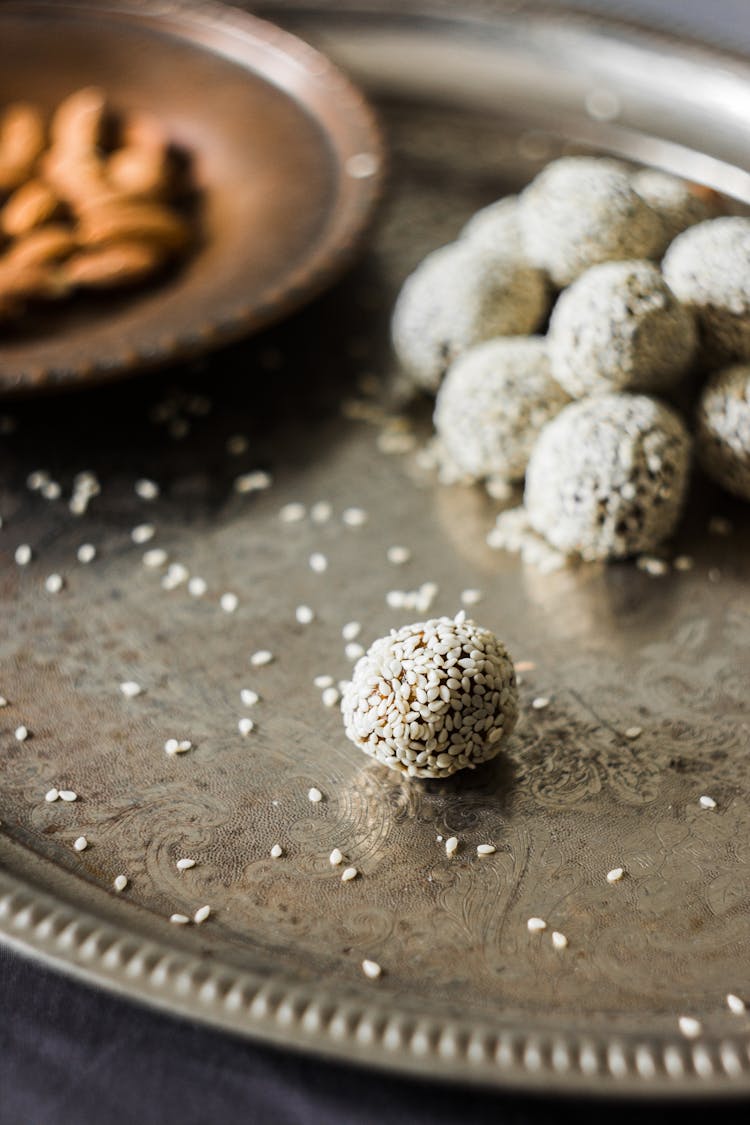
(644, 287)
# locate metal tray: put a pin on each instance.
(471, 108)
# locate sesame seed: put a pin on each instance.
(237, 444)
(536, 925)
(735, 1004)
(371, 969)
(155, 558)
(263, 656)
(354, 517)
(3, 701)
(146, 489)
(21, 733)
(471, 597)
(120, 882)
(244, 726)
(277, 851)
(229, 602)
(615, 875)
(397, 556)
(684, 562)
(633, 732)
(330, 696)
(80, 844)
(336, 857)
(201, 914)
(53, 583)
(689, 1026)
(486, 849)
(559, 940)
(179, 919)
(248, 697)
(719, 525)
(321, 511)
(130, 689)
(354, 650)
(68, 795)
(35, 480)
(23, 554)
(175, 576)
(323, 681)
(51, 490)
(143, 532)
(314, 795)
(52, 795)
(451, 845)
(177, 746)
(197, 587)
(653, 566)
(256, 481)
(86, 553)
(304, 615)
(540, 703)
(184, 864)
(707, 802)
(292, 513)
(351, 630)
(348, 874)
(318, 562)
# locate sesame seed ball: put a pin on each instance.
(580, 211)
(619, 327)
(676, 204)
(708, 268)
(458, 296)
(493, 403)
(432, 698)
(724, 429)
(496, 225)
(607, 477)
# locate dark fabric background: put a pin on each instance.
(72, 1056)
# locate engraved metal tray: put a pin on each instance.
(471, 108)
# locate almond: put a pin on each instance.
(107, 267)
(143, 222)
(78, 122)
(138, 171)
(28, 207)
(21, 142)
(45, 244)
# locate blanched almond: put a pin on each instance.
(28, 207)
(45, 244)
(123, 263)
(78, 122)
(143, 222)
(138, 171)
(21, 142)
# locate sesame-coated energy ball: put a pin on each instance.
(708, 268)
(493, 403)
(432, 698)
(580, 211)
(724, 429)
(619, 327)
(608, 476)
(677, 205)
(458, 296)
(496, 225)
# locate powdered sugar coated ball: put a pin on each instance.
(432, 698)
(620, 327)
(675, 202)
(493, 403)
(496, 225)
(724, 429)
(608, 476)
(580, 211)
(458, 296)
(708, 268)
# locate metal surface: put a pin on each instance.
(466, 991)
(270, 127)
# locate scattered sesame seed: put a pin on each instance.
(179, 919)
(277, 851)
(689, 1026)
(735, 1004)
(177, 746)
(201, 914)
(304, 615)
(451, 844)
(197, 587)
(248, 697)
(229, 602)
(120, 882)
(353, 650)
(51, 490)
(245, 725)
(653, 566)
(354, 517)
(348, 874)
(52, 795)
(633, 732)
(719, 525)
(68, 795)
(143, 532)
(351, 630)
(292, 513)
(684, 562)
(155, 558)
(21, 733)
(176, 575)
(398, 555)
(53, 583)
(559, 940)
(314, 795)
(237, 444)
(257, 481)
(371, 969)
(130, 689)
(323, 681)
(615, 875)
(540, 703)
(336, 857)
(146, 489)
(471, 597)
(486, 849)
(23, 554)
(35, 480)
(3, 701)
(318, 562)
(80, 844)
(536, 925)
(263, 656)
(330, 696)
(707, 802)
(184, 864)
(86, 553)
(321, 511)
